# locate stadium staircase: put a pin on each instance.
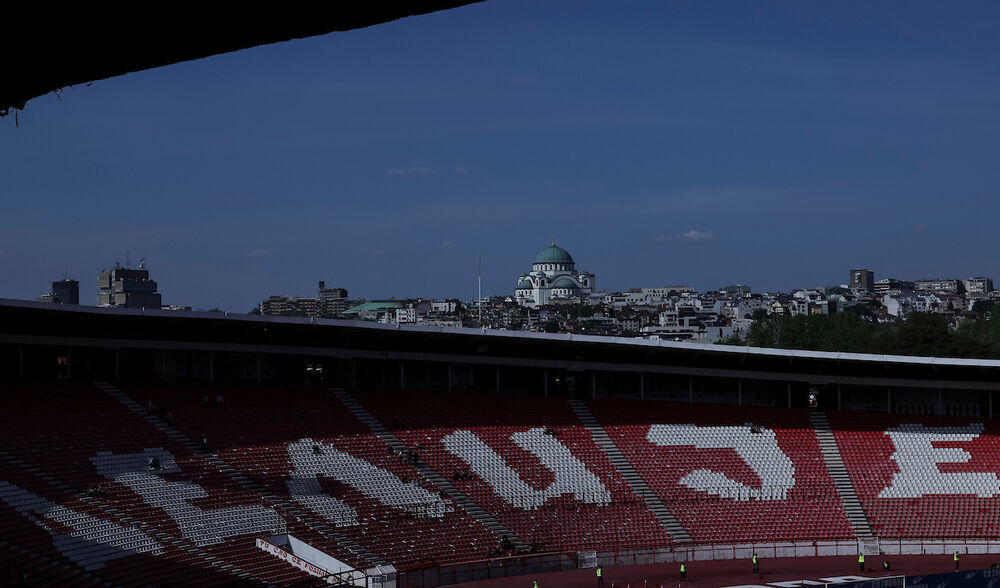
(209, 560)
(635, 481)
(431, 475)
(835, 464)
(243, 480)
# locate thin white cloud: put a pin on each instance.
(446, 243)
(461, 170)
(695, 235)
(260, 253)
(412, 170)
(692, 235)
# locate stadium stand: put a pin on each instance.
(376, 498)
(728, 473)
(923, 476)
(187, 449)
(98, 489)
(105, 454)
(527, 460)
(78, 528)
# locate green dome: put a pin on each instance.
(564, 283)
(554, 254)
(524, 284)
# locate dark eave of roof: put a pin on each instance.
(46, 47)
(41, 321)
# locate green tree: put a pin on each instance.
(863, 310)
(761, 333)
(920, 334)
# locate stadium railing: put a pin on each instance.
(550, 562)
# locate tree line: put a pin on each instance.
(855, 331)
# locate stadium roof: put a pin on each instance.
(40, 323)
(47, 49)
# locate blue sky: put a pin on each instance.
(776, 144)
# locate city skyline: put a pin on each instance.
(776, 146)
(310, 291)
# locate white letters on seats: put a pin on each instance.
(203, 527)
(571, 476)
(918, 460)
(358, 473)
(760, 451)
(91, 542)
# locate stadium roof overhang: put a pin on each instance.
(47, 48)
(39, 323)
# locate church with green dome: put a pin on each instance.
(553, 277)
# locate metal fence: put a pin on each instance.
(520, 565)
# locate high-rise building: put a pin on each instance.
(979, 285)
(66, 291)
(862, 280)
(946, 285)
(329, 302)
(124, 287)
(889, 285)
(332, 301)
